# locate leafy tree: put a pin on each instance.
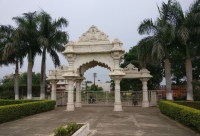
(162, 33)
(28, 28)
(187, 30)
(35, 78)
(12, 50)
(177, 67)
(94, 88)
(135, 84)
(51, 39)
(22, 79)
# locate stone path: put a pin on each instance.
(133, 121)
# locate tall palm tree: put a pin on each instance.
(162, 33)
(187, 30)
(28, 27)
(51, 38)
(12, 52)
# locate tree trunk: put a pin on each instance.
(188, 66)
(29, 76)
(43, 75)
(168, 80)
(16, 90)
(189, 80)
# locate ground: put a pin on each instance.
(133, 121)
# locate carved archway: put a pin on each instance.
(83, 68)
(94, 48)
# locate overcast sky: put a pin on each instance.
(117, 18)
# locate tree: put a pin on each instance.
(28, 28)
(187, 31)
(12, 50)
(135, 84)
(51, 39)
(162, 33)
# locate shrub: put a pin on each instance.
(60, 131)
(183, 114)
(17, 111)
(195, 104)
(11, 102)
(67, 131)
(7, 94)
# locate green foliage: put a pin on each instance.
(60, 131)
(130, 84)
(196, 90)
(7, 92)
(72, 128)
(11, 102)
(35, 78)
(22, 79)
(195, 104)
(135, 84)
(68, 131)
(17, 111)
(94, 88)
(183, 114)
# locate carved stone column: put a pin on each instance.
(145, 101)
(117, 104)
(53, 89)
(70, 102)
(78, 93)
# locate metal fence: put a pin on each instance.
(104, 98)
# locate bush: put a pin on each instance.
(7, 94)
(67, 131)
(17, 111)
(183, 114)
(195, 104)
(11, 102)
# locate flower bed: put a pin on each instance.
(72, 129)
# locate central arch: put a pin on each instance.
(84, 67)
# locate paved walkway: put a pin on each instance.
(133, 121)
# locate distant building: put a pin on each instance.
(10, 76)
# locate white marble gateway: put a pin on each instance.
(94, 48)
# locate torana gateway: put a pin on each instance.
(94, 48)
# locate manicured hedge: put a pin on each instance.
(11, 102)
(195, 104)
(183, 114)
(17, 111)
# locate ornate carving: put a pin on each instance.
(116, 55)
(71, 57)
(70, 43)
(130, 67)
(93, 34)
(62, 67)
(116, 40)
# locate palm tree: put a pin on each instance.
(187, 30)
(28, 27)
(51, 39)
(162, 33)
(12, 52)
